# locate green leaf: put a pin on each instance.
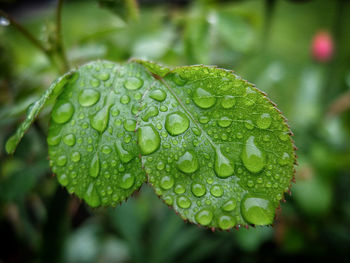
(212, 145)
(35, 108)
(126, 9)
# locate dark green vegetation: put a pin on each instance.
(268, 44)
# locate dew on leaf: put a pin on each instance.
(158, 95)
(148, 139)
(227, 102)
(95, 166)
(167, 182)
(123, 154)
(100, 120)
(62, 113)
(264, 121)
(224, 122)
(91, 196)
(176, 123)
(69, 139)
(253, 158)
(129, 125)
(204, 217)
(133, 83)
(257, 209)
(150, 112)
(179, 189)
(88, 97)
(125, 99)
(183, 202)
(198, 189)
(62, 160)
(203, 99)
(103, 76)
(229, 205)
(216, 190)
(63, 179)
(127, 181)
(284, 159)
(226, 222)
(75, 157)
(188, 163)
(223, 166)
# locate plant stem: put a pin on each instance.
(25, 32)
(59, 42)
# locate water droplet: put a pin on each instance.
(264, 121)
(123, 154)
(285, 159)
(125, 99)
(179, 189)
(203, 98)
(178, 79)
(187, 163)
(114, 111)
(167, 182)
(127, 181)
(69, 139)
(257, 209)
(148, 139)
(95, 83)
(204, 217)
(88, 97)
(224, 122)
(54, 137)
(249, 124)
(133, 83)
(223, 166)
(4, 21)
(62, 160)
(163, 108)
(253, 158)
(198, 189)
(63, 179)
(183, 202)
(160, 166)
(251, 97)
(168, 200)
(75, 157)
(129, 125)
(106, 149)
(229, 205)
(104, 76)
(95, 166)
(91, 196)
(283, 136)
(100, 120)
(228, 102)
(62, 112)
(149, 113)
(158, 95)
(176, 123)
(203, 119)
(216, 191)
(226, 222)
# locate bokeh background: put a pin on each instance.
(296, 51)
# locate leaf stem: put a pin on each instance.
(59, 42)
(25, 33)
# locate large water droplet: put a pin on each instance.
(183, 202)
(62, 112)
(125, 99)
(100, 120)
(149, 113)
(75, 157)
(123, 154)
(253, 158)
(176, 123)
(229, 205)
(88, 97)
(54, 137)
(158, 95)
(228, 102)
(91, 196)
(264, 121)
(198, 189)
(223, 166)
(285, 159)
(204, 217)
(167, 182)
(216, 191)
(104, 76)
(95, 166)
(148, 139)
(69, 139)
(130, 125)
(257, 209)
(127, 181)
(187, 163)
(224, 122)
(63, 179)
(179, 189)
(203, 98)
(62, 160)
(133, 83)
(226, 222)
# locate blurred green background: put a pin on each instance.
(277, 44)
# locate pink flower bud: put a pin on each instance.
(322, 46)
